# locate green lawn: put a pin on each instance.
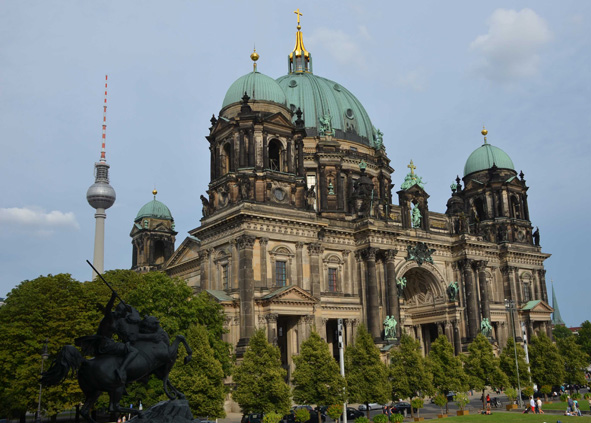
(559, 405)
(512, 418)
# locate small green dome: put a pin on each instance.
(317, 97)
(154, 209)
(485, 156)
(257, 86)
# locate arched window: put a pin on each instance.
(275, 155)
(479, 205)
(226, 158)
(516, 207)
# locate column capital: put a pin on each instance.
(245, 241)
(345, 253)
(263, 241)
(390, 255)
(369, 253)
(315, 248)
(272, 317)
(299, 245)
(507, 270)
(465, 263)
(479, 265)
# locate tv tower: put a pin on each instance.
(101, 196)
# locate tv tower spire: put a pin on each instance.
(101, 196)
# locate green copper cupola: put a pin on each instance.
(299, 60)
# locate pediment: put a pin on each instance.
(538, 306)
(289, 294)
(278, 119)
(188, 250)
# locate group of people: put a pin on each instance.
(573, 407)
(535, 406)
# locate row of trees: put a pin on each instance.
(260, 380)
(60, 309)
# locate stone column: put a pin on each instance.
(245, 246)
(457, 337)
(314, 250)
(289, 158)
(449, 332)
(373, 312)
(234, 273)
(354, 326)
(204, 268)
(480, 267)
(251, 151)
(393, 305)
(299, 264)
(242, 150)
(346, 278)
(471, 299)
(265, 152)
(272, 328)
(263, 253)
(542, 276)
(348, 332)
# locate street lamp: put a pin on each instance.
(44, 356)
(510, 306)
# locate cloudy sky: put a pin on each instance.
(430, 75)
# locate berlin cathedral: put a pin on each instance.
(302, 226)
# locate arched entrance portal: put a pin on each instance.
(424, 308)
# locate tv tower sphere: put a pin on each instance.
(101, 194)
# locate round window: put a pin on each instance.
(337, 87)
(293, 83)
(349, 113)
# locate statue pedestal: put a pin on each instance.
(176, 411)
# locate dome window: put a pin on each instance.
(349, 113)
(293, 83)
(337, 87)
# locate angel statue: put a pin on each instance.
(485, 327)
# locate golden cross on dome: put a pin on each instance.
(412, 167)
(297, 12)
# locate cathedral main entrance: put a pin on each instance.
(287, 341)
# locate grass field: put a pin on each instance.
(559, 405)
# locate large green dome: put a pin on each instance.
(154, 209)
(257, 86)
(317, 97)
(485, 156)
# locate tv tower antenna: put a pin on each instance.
(101, 196)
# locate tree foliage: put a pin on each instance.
(366, 375)
(507, 363)
(447, 369)
(409, 374)
(49, 307)
(202, 380)
(482, 367)
(260, 379)
(317, 378)
(584, 338)
(561, 331)
(546, 363)
(575, 361)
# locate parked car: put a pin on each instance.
(401, 407)
(372, 406)
(353, 414)
(290, 418)
(252, 418)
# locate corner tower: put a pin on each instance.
(153, 236)
(101, 196)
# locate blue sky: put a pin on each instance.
(429, 74)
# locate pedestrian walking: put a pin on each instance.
(570, 403)
(539, 406)
(532, 405)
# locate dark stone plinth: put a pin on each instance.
(176, 411)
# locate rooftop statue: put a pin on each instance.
(485, 327)
(416, 217)
(145, 349)
(452, 291)
(326, 125)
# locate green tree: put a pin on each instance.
(446, 368)
(482, 367)
(367, 377)
(583, 338)
(260, 379)
(317, 378)
(49, 307)
(561, 331)
(546, 363)
(507, 363)
(202, 380)
(409, 374)
(575, 361)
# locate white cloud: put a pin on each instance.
(415, 79)
(510, 48)
(37, 220)
(342, 47)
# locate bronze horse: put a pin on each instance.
(99, 374)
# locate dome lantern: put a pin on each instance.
(300, 59)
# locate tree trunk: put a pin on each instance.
(23, 417)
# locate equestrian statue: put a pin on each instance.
(144, 349)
